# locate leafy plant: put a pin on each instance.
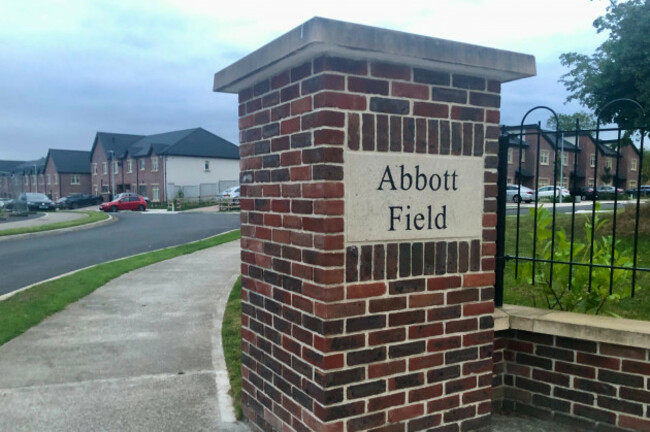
(577, 287)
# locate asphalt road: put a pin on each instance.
(25, 261)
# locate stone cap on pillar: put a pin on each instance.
(321, 36)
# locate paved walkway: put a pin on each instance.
(46, 219)
(138, 354)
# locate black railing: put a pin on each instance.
(524, 137)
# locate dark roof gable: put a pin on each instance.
(70, 161)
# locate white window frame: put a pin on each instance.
(116, 168)
(155, 192)
(95, 168)
(633, 165)
(105, 167)
(56, 179)
(48, 179)
(544, 181)
(565, 159)
(510, 153)
(609, 163)
(631, 184)
(154, 164)
(143, 164)
(592, 160)
(129, 165)
(590, 183)
(75, 179)
(544, 156)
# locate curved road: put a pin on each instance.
(24, 261)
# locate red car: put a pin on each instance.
(125, 203)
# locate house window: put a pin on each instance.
(631, 184)
(48, 179)
(142, 166)
(565, 159)
(104, 189)
(26, 180)
(155, 193)
(523, 156)
(509, 181)
(105, 167)
(95, 189)
(34, 179)
(590, 183)
(633, 163)
(154, 163)
(56, 179)
(609, 163)
(543, 181)
(142, 190)
(592, 160)
(129, 165)
(509, 156)
(206, 164)
(95, 169)
(116, 168)
(543, 157)
(565, 182)
(75, 179)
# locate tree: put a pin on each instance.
(568, 121)
(620, 67)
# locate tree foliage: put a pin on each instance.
(568, 121)
(620, 67)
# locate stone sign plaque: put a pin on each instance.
(412, 196)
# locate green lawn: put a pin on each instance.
(523, 293)
(92, 216)
(27, 308)
(231, 337)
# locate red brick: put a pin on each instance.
(492, 116)
(329, 136)
(272, 220)
(423, 300)
(345, 101)
(443, 404)
(462, 326)
(329, 207)
(321, 293)
(269, 191)
(486, 337)
(599, 361)
(316, 425)
(425, 361)
(328, 242)
(339, 310)
(366, 290)
(300, 173)
(388, 368)
(291, 158)
(443, 344)
(302, 271)
(383, 402)
(636, 367)
(478, 308)
(478, 279)
(425, 330)
(441, 283)
(290, 126)
(293, 222)
(634, 423)
(383, 337)
(322, 190)
(301, 106)
(280, 206)
(412, 91)
(302, 303)
(424, 393)
(432, 110)
(323, 225)
(404, 413)
(387, 304)
(301, 239)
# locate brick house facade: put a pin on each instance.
(136, 163)
(578, 176)
(66, 172)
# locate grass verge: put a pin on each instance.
(92, 217)
(231, 339)
(28, 308)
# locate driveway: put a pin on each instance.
(29, 260)
(142, 353)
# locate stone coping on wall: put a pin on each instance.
(353, 41)
(597, 328)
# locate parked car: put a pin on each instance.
(33, 201)
(608, 189)
(644, 191)
(78, 200)
(518, 194)
(553, 192)
(3, 201)
(131, 194)
(136, 203)
(231, 193)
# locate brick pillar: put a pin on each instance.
(351, 323)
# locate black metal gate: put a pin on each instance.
(583, 178)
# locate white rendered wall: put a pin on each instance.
(186, 171)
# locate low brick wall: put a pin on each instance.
(592, 384)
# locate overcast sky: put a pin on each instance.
(72, 68)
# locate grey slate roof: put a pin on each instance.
(195, 142)
(8, 166)
(28, 167)
(118, 143)
(70, 161)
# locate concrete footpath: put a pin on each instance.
(142, 353)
